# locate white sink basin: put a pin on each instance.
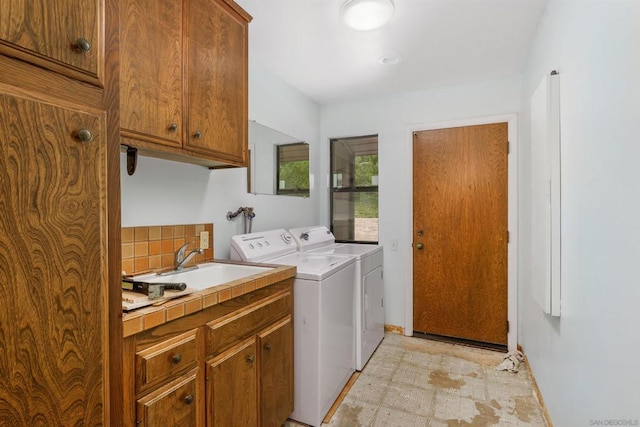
(206, 275)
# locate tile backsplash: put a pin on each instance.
(154, 247)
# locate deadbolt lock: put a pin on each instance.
(420, 233)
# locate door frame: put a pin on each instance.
(512, 215)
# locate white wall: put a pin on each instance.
(164, 192)
(586, 361)
(390, 117)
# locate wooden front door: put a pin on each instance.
(460, 232)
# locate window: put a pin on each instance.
(293, 170)
(354, 189)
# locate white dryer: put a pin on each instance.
(323, 321)
(368, 286)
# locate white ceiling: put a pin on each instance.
(440, 42)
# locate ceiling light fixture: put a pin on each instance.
(365, 15)
(390, 59)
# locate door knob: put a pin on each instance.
(419, 246)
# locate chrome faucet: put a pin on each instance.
(181, 259)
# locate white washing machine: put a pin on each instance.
(322, 319)
(368, 285)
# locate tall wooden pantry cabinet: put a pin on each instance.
(60, 321)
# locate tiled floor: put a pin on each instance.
(417, 382)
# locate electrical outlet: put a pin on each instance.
(394, 245)
(204, 240)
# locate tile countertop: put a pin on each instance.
(149, 317)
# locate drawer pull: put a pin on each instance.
(197, 134)
(267, 346)
(176, 359)
(251, 358)
(189, 399)
(82, 44)
(173, 127)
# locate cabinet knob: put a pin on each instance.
(189, 399)
(173, 127)
(84, 135)
(197, 135)
(267, 346)
(176, 359)
(82, 44)
(251, 358)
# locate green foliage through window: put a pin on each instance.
(366, 170)
(294, 176)
(293, 169)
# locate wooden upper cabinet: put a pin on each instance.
(65, 36)
(53, 320)
(184, 79)
(151, 70)
(217, 81)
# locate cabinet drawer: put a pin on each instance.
(175, 404)
(247, 321)
(165, 359)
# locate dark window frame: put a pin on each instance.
(354, 189)
(304, 192)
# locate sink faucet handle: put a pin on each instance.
(181, 251)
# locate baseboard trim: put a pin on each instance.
(394, 329)
(536, 390)
(340, 398)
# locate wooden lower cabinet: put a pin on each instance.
(175, 404)
(276, 374)
(227, 365)
(232, 386)
(253, 380)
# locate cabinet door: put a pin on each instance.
(53, 265)
(232, 389)
(175, 404)
(217, 80)
(276, 373)
(48, 35)
(151, 70)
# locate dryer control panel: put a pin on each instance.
(312, 237)
(258, 247)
